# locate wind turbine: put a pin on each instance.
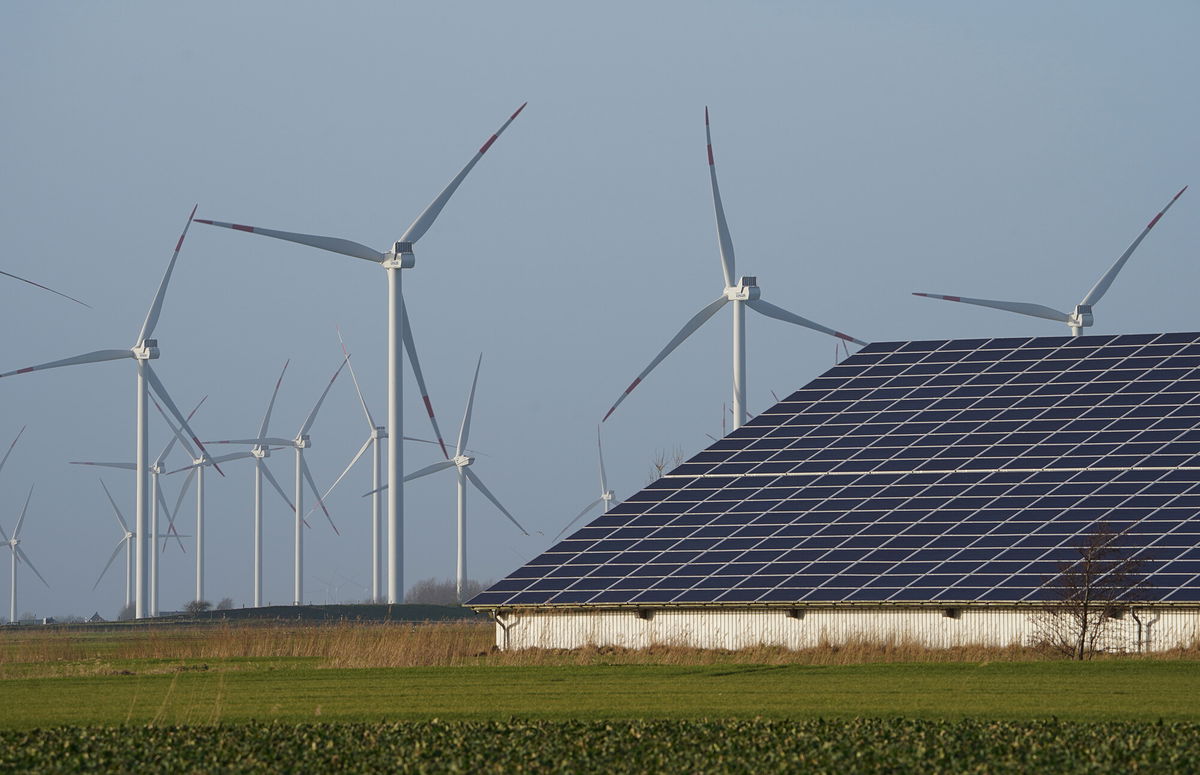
(144, 351)
(399, 256)
(606, 495)
(303, 475)
(260, 451)
(462, 462)
(18, 554)
(45, 288)
(127, 538)
(746, 293)
(375, 435)
(1081, 317)
(156, 499)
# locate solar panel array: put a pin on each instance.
(960, 470)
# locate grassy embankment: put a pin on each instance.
(375, 672)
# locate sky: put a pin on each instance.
(866, 150)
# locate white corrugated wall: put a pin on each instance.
(729, 628)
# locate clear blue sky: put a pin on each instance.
(865, 151)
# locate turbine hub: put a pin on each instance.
(607, 496)
(380, 432)
(260, 452)
(146, 350)
(302, 442)
(462, 461)
(746, 290)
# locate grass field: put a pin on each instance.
(386, 683)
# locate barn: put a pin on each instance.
(933, 492)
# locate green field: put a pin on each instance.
(361, 697)
(752, 747)
(291, 690)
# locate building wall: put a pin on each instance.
(724, 628)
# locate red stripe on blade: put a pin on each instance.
(201, 220)
(428, 406)
(840, 335)
(240, 227)
(25, 370)
(488, 144)
(1154, 221)
(952, 298)
(514, 115)
(710, 158)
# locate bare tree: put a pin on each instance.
(197, 606)
(226, 604)
(664, 462)
(1090, 591)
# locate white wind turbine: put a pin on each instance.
(126, 541)
(744, 294)
(399, 256)
(606, 495)
(260, 452)
(1081, 317)
(18, 555)
(142, 352)
(375, 435)
(156, 500)
(462, 462)
(301, 442)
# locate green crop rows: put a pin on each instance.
(754, 746)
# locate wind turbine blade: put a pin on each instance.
(697, 320)
(171, 531)
(187, 483)
(116, 511)
(269, 441)
(262, 430)
(156, 306)
(5, 535)
(603, 477)
(107, 565)
(92, 357)
(464, 430)
(1101, 287)
(11, 446)
(411, 347)
(426, 219)
(21, 520)
(779, 313)
(441, 465)
(1021, 308)
(354, 377)
(174, 431)
(44, 288)
(312, 416)
(25, 558)
(129, 467)
(362, 450)
(308, 477)
(332, 244)
(586, 509)
(227, 458)
(270, 477)
(157, 386)
(723, 239)
(475, 480)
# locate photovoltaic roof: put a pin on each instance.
(961, 470)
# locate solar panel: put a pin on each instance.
(955, 470)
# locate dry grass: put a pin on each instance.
(69, 651)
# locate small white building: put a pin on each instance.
(932, 493)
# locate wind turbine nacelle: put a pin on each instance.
(746, 290)
(402, 255)
(304, 442)
(147, 350)
(1083, 315)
